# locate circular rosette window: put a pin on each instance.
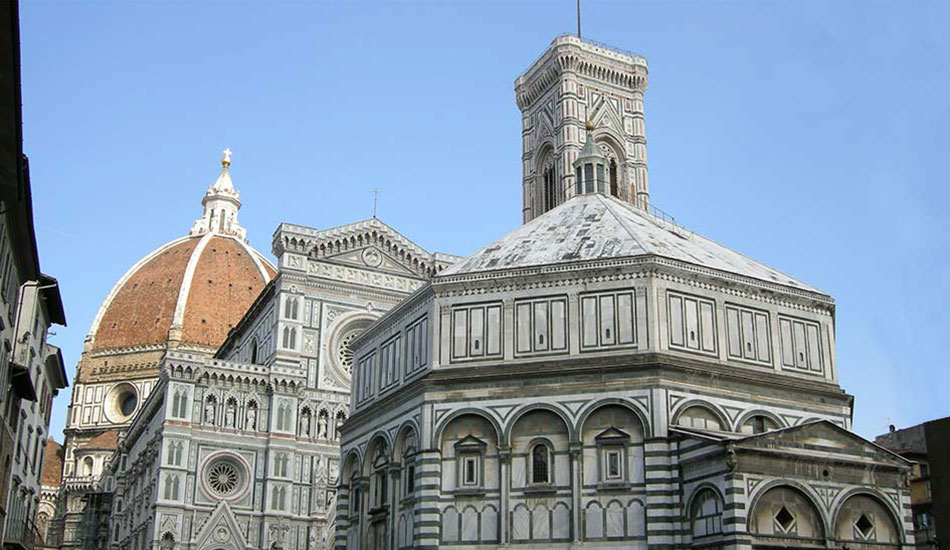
(341, 354)
(121, 403)
(225, 476)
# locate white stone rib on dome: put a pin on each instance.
(259, 260)
(599, 227)
(125, 277)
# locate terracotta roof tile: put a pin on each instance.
(108, 439)
(141, 311)
(225, 284)
(52, 464)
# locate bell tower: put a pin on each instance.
(575, 83)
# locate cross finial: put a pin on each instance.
(226, 159)
(375, 197)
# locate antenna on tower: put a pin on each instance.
(375, 196)
(578, 18)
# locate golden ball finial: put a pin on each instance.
(590, 126)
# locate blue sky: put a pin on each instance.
(812, 136)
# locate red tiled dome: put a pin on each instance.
(196, 286)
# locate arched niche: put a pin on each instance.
(469, 446)
(539, 443)
(705, 513)
(864, 520)
(783, 515)
(612, 439)
(701, 416)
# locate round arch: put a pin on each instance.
(707, 405)
(437, 433)
(759, 412)
(506, 433)
(800, 488)
(399, 443)
(843, 498)
(699, 489)
(640, 414)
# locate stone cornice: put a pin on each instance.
(655, 367)
(563, 274)
(568, 53)
(316, 244)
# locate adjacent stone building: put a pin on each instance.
(31, 369)
(603, 378)
(927, 445)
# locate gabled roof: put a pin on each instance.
(594, 226)
(817, 439)
(327, 243)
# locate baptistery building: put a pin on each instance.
(604, 378)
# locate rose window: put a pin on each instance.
(344, 352)
(224, 478)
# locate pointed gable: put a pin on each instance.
(367, 244)
(821, 439)
(221, 530)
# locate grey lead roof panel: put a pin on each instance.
(596, 226)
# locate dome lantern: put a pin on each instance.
(590, 167)
(221, 204)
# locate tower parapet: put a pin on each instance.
(572, 83)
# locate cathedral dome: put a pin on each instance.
(190, 291)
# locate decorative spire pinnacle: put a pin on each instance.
(226, 159)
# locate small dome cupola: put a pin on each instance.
(221, 204)
(590, 167)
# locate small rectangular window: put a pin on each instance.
(478, 332)
(608, 333)
(613, 464)
(470, 470)
(541, 341)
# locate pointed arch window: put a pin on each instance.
(180, 403)
(549, 187)
(281, 461)
(613, 178)
(290, 337)
(290, 308)
(279, 498)
(253, 354)
(171, 488)
(281, 410)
